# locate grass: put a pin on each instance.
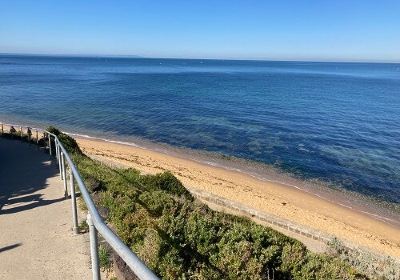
(104, 257)
(179, 237)
(83, 227)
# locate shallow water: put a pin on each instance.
(336, 122)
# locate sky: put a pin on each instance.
(322, 30)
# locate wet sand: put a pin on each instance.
(324, 210)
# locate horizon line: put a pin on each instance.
(192, 58)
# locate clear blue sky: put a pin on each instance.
(349, 30)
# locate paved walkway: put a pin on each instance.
(36, 241)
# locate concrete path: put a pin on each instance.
(36, 241)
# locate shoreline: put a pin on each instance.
(326, 211)
(353, 200)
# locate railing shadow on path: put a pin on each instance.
(24, 171)
(9, 247)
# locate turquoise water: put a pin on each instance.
(336, 122)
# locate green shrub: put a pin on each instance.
(168, 182)
(173, 222)
(156, 202)
(150, 250)
(67, 141)
(201, 230)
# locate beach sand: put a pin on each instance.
(286, 202)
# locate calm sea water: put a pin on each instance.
(337, 122)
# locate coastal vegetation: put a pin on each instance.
(179, 237)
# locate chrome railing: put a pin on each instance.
(94, 220)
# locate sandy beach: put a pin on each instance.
(312, 210)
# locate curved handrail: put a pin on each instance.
(130, 258)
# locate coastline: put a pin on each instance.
(383, 210)
(322, 209)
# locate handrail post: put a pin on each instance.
(59, 159)
(73, 203)
(49, 137)
(20, 129)
(64, 175)
(93, 248)
(37, 136)
(2, 129)
(59, 162)
(57, 149)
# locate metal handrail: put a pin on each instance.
(94, 220)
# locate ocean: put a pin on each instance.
(338, 123)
